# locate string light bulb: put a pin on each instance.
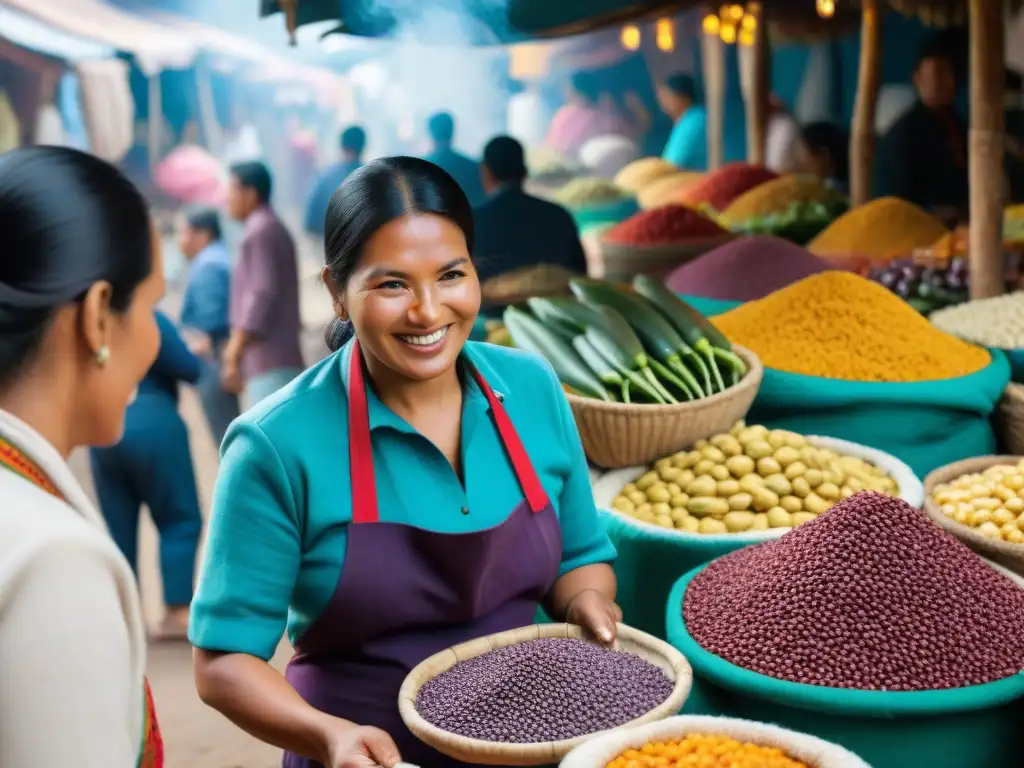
(749, 23)
(665, 35)
(728, 34)
(736, 12)
(826, 8)
(631, 37)
(712, 24)
(746, 37)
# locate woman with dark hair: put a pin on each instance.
(824, 151)
(590, 111)
(152, 465)
(687, 146)
(79, 282)
(411, 491)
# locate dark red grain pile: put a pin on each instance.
(871, 595)
(721, 187)
(663, 226)
(746, 269)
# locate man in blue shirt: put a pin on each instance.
(687, 146)
(514, 229)
(353, 142)
(464, 170)
(204, 311)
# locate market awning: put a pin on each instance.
(34, 35)
(153, 46)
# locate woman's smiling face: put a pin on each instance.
(414, 295)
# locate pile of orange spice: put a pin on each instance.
(704, 751)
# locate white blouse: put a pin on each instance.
(72, 640)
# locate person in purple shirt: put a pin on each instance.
(262, 353)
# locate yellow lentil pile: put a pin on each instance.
(667, 190)
(838, 325)
(886, 228)
(778, 195)
(991, 501)
(642, 172)
(704, 751)
(589, 192)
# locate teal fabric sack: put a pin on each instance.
(709, 307)
(610, 213)
(651, 559)
(1016, 358)
(975, 727)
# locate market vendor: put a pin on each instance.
(923, 157)
(687, 146)
(410, 492)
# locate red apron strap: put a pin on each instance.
(535, 494)
(360, 449)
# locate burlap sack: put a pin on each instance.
(812, 751)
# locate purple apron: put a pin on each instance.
(405, 593)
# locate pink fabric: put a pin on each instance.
(192, 175)
(573, 125)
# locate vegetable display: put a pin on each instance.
(926, 288)
(996, 322)
(871, 596)
(780, 195)
(800, 222)
(614, 344)
(838, 325)
(748, 479)
(542, 690)
(704, 751)
(991, 501)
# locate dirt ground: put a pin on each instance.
(196, 736)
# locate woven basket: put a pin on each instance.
(1010, 418)
(520, 284)
(1011, 556)
(625, 434)
(479, 752)
(624, 262)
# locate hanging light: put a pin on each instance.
(631, 37)
(712, 24)
(749, 23)
(746, 37)
(736, 12)
(665, 35)
(826, 8)
(728, 34)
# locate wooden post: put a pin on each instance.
(155, 122)
(713, 52)
(759, 69)
(985, 150)
(862, 137)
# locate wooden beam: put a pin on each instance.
(759, 58)
(985, 148)
(862, 137)
(713, 52)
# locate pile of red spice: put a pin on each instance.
(872, 595)
(746, 269)
(663, 226)
(721, 187)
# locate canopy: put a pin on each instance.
(488, 22)
(30, 33)
(153, 46)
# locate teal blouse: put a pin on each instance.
(282, 501)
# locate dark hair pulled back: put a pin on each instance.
(68, 220)
(375, 195)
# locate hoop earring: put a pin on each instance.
(103, 355)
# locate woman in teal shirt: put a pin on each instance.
(687, 145)
(412, 491)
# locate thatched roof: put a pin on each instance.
(790, 22)
(940, 13)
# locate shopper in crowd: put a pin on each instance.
(923, 157)
(204, 311)
(152, 465)
(687, 146)
(262, 353)
(352, 142)
(782, 138)
(591, 111)
(81, 277)
(824, 152)
(514, 229)
(464, 170)
(480, 510)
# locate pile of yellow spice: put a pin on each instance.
(704, 751)
(838, 325)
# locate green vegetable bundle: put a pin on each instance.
(800, 223)
(642, 346)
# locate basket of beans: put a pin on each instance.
(740, 487)
(870, 626)
(530, 695)
(657, 241)
(711, 742)
(981, 502)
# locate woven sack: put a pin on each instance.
(1006, 554)
(651, 559)
(887, 729)
(1010, 419)
(624, 262)
(810, 750)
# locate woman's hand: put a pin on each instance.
(597, 614)
(356, 746)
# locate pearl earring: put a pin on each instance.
(103, 355)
